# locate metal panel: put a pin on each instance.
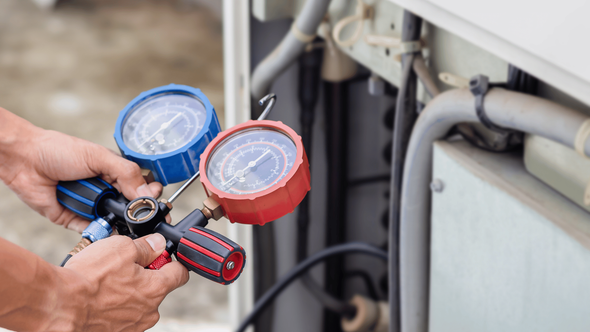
(541, 37)
(508, 252)
(267, 10)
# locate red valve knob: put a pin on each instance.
(162, 260)
(211, 255)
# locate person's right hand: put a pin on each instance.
(111, 289)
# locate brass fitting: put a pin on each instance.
(80, 246)
(148, 176)
(165, 201)
(141, 205)
(212, 209)
(370, 316)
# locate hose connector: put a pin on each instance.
(371, 316)
(97, 230)
(271, 99)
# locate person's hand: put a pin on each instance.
(117, 293)
(102, 288)
(33, 160)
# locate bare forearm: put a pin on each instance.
(15, 135)
(34, 295)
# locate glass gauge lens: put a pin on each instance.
(163, 123)
(251, 161)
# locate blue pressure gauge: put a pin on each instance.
(166, 129)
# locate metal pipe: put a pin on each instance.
(421, 70)
(504, 108)
(271, 104)
(292, 45)
(183, 187)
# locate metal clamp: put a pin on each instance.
(479, 86)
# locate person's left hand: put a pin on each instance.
(33, 164)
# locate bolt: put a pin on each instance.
(437, 185)
(230, 265)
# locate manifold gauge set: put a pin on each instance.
(252, 173)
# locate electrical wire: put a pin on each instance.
(326, 299)
(303, 267)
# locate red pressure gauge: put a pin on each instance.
(257, 171)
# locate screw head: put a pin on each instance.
(437, 185)
(230, 265)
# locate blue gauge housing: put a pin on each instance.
(183, 162)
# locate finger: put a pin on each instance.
(172, 276)
(124, 172)
(144, 190)
(156, 188)
(78, 225)
(62, 216)
(149, 248)
(114, 152)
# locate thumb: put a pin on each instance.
(149, 248)
(125, 173)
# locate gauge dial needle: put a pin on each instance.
(162, 127)
(250, 164)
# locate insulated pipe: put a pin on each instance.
(301, 33)
(421, 70)
(504, 108)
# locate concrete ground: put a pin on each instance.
(73, 69)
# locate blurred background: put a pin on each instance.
(73, 67)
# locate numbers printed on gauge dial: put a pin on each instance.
(163, 123)
(251, 161)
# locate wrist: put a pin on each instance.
(67, 302)
(16, 138)
(36, 295)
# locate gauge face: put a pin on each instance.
(251, 161)
(163, 123)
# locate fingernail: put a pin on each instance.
(157, 242)
(144, 190)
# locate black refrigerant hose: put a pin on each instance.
(63, 263)
(308, 94)
(405, 116)
(301, 268)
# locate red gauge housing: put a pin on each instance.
(269, 204)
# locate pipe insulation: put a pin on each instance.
(504, 108)
(302, 32)
(421, 70)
